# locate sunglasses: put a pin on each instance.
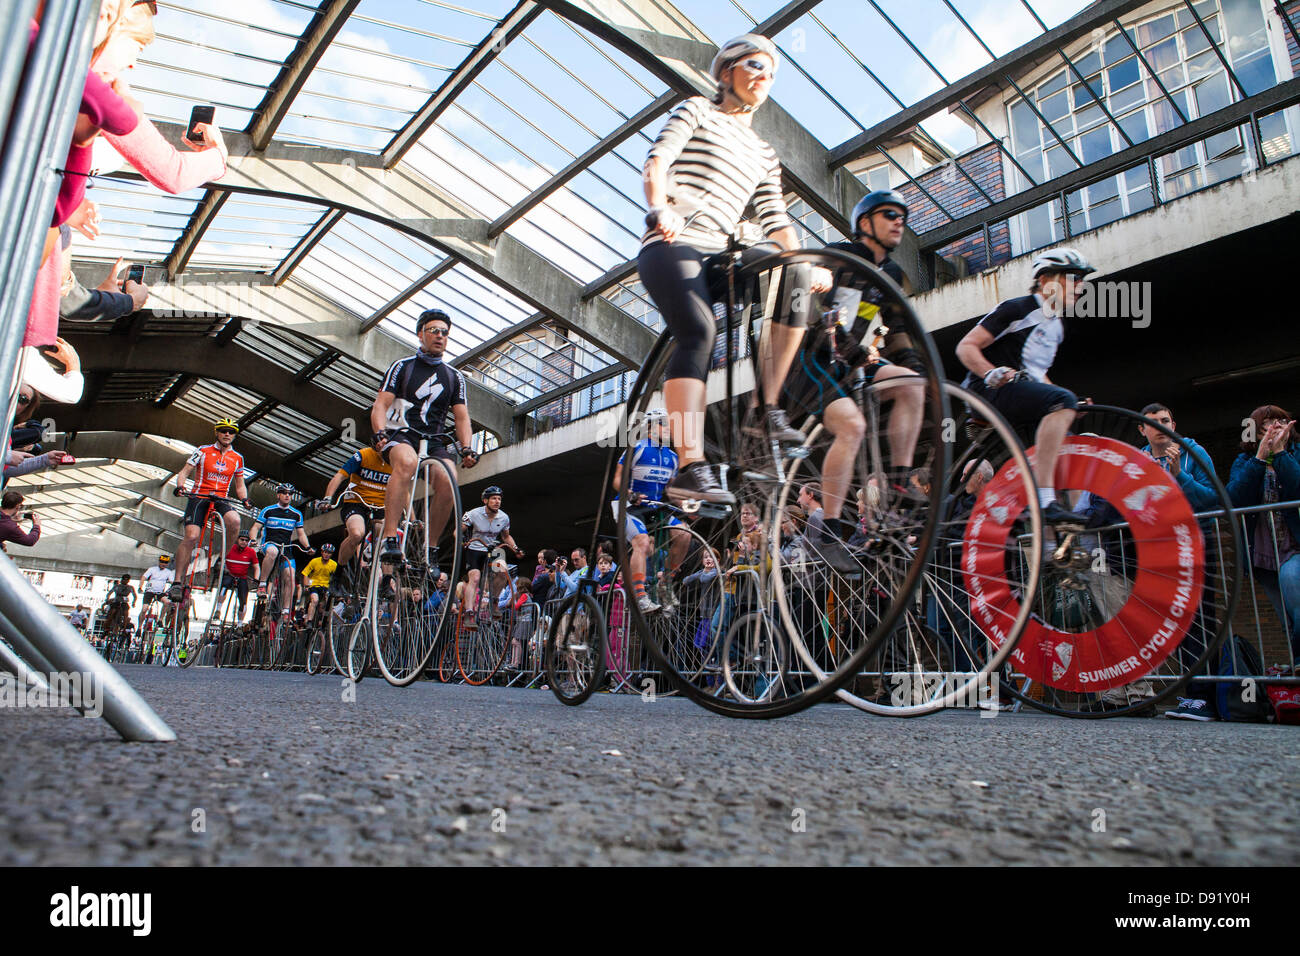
(25, 399)
(226, 431)
(443, 333)
(893, 215)
(756, 68)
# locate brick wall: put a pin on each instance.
(960, 197)
(1292, 11)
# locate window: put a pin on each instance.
(1176, 47)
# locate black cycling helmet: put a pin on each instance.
(428, 316)
(491, 490)
(873, 201)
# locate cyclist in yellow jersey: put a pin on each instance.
(367, 476)
(316, 578)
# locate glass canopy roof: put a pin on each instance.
(532, 125)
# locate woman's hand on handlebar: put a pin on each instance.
(666, 221)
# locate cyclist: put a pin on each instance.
(215, 468)
(654, 465)
(367, 474)
(486, 527)
(1009, 353)
(280, 524)
(413, 403)
(120, 596)
(704, 168)
(154, 584)
(316, 578)
(822, 380)
(239, 571)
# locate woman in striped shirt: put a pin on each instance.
(703, 170)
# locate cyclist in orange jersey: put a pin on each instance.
(215, 469)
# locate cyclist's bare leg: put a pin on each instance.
(185, 549)
(231, 519)
(844, 420)
(268, 560)
(779, 345)
(470, 597)
(1048, 439)
(356, 529)
(440, 509)
(905, 414)
(678, 542)
(397, 495)
(684, 399)
(286, 587)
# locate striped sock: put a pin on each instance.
(638, 584)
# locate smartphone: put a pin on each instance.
(28, 516)
(135, 273)
(199, 114)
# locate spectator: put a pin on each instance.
(571, 579)
(78, 618)
(20, 462)
(545, 579)
(1187, 462)
(439, 595)
(605, 570)
(112, 299)
(10, 505)
(1267, 472)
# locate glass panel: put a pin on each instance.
(1275, 136)
(1054, 107)
(1137, 187)
(1135, 125)
(1088, 64)
(1105, 212)
(1088, 116)
(1202, 65)
(1095, 145)
(1124, 74)
(1220, 145)
(1052, 85)
(1041, 230)
(1024, 126)
(1249, 52)
(1156, 29)
(1163, 55)
(1212, 94)
(1058, 162)
(1162, 113)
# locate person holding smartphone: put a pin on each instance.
(10, 506)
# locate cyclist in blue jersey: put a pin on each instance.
(654, 465)
(280, 524)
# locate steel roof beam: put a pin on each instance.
(297, 69)
(511, 25)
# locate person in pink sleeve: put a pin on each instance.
(125, 28)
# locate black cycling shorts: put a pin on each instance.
(1026, 402)
(815, 381)
(684, 283)
(474, 560)
(350, 508)
(196, 512)
(409, 436)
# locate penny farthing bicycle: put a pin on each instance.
(1135, 598)
(765, 668)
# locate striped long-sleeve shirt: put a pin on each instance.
(717, 164)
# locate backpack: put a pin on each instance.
(1238, 656)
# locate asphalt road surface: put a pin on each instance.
(276, 768)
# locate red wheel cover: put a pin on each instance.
(1166, 592)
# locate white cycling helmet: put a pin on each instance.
(54, 371)
(1062, 259)
(737, 47)
(656, 416)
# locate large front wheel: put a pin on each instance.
(575, 650)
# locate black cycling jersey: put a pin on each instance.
(279, 524)
(1024, 337)
(121, 592)
(426, 391)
